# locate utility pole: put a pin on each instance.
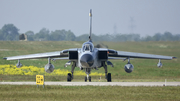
(132, 26)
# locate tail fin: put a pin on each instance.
(90, 15)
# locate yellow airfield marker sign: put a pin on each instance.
(40, 79)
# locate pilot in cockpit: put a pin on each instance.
(88, 47)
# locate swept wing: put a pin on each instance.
(56, 54)
(114, 53)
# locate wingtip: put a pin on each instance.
(5, 58)
(174, 57)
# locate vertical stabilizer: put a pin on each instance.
(90, 15)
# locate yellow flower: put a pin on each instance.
(32, 70)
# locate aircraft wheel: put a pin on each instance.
(85, 79)
(90, 79)
(109, 77)
(69, 77)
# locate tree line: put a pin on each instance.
(9, 32)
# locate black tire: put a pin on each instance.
(85, 79)
(109, 77)
(69, 77)
(90, 79)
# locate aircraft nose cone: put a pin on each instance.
(87, 60)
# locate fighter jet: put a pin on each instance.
(88, 57)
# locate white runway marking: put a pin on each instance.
(97, 83)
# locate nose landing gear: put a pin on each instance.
(88, 71)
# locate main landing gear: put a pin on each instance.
(70, 75)
(107, 75)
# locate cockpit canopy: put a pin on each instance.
(87, 46)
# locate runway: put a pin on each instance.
(97, 83)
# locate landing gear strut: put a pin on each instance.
(88, 71)
(70, 75)
(107, 75)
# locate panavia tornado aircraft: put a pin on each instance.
(88, 58)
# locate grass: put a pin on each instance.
(144, 69)
(87, 93)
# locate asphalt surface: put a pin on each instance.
(97, 83)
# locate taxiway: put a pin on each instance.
(97, 83)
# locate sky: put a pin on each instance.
(144, 17)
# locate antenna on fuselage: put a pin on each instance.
(90, 15)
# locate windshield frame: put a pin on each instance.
(87, 47)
